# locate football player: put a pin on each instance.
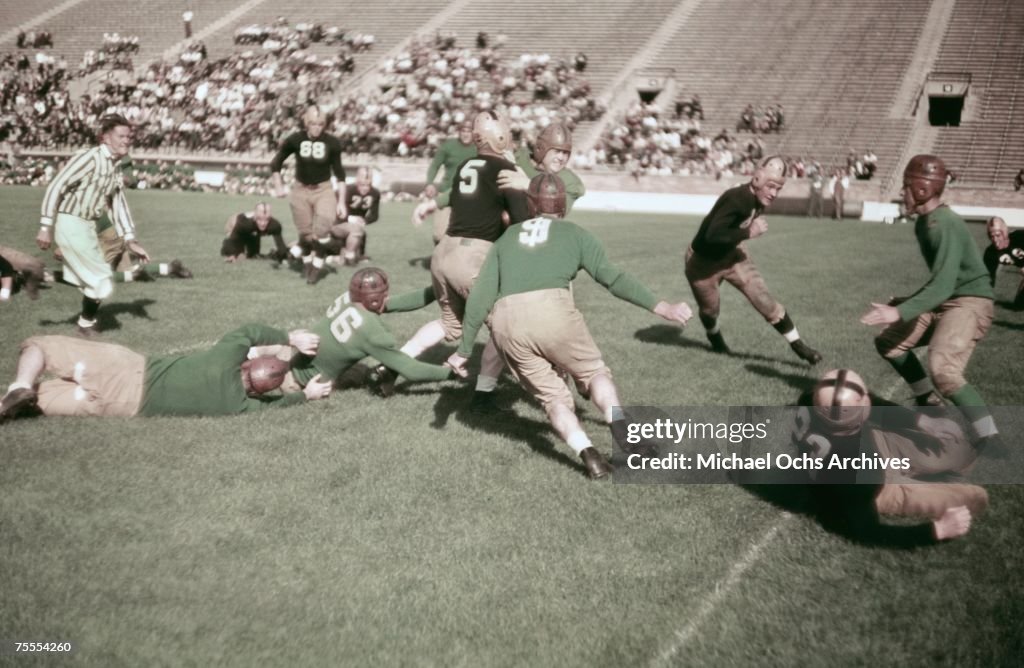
(348, 238)
(103, 379)
(551, 153)
(353, 330)
(21, 268)
(718, 253)
(1007, 249)
(524, 286)
(949, 314)
(244, 231)
(839, 421)
(126, 265)
(450, 155)
(314, 203)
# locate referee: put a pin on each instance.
(89, 185)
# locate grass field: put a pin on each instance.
(359, 531)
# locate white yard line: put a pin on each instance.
(722, 589)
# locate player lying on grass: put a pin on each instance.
(103, 379)
(353, 330)
(20, 269)
(1006, 249)
(841, 422)
(523, 293)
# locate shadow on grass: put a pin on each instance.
(423, 262)
(107, 319)
(670, 335)
(797, 382)
(1015, 326)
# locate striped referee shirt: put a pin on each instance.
(89, 185)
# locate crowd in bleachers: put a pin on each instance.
(34, 39)
(761, 119)
(428, 88)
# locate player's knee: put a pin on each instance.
(770, 310)
(560, 401)
(948, 381)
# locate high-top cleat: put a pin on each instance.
(718, 344)
(382, 381)
(91, 332)
(314, 275)
(805, 352)
(595, 463)
(16, 402)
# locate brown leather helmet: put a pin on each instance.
(369, 287)
(546, 196)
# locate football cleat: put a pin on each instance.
(595, 463)
(178, 270)
(929, 399)
(718, 345)
(32, 286)
(313, 275)
(382, 381)
(805, 352)
(16, 402)
(90, 332)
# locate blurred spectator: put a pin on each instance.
(186, 17)
(580, 62)
(838, 185)
(1018, 181)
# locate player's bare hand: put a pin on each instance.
(430, 192)
(317, 388)
(880, 314)
(305, 341)
(342, 210)
(423, 210)
(457, 363)
(515, 179)
(44, 238)
(358, 220)
(680, 312)
(138, 251)
(758, 226)
(955, 522)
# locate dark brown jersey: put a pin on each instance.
(477, 202)
(728, 223)
(365, 206)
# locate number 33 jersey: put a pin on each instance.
(477, 202)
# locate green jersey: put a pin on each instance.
(573, 185)
(210, 382)
(350, 333)
(543, 254)
(954, 260)
(450, 155)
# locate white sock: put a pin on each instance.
(792, 335)
(318, 262)
(82, 322)
(486, 383)
(296, 252)
(165, 270)
(715, 329)
(5, 293)
(18, 386)
(986, 426)
(578, 441)
(129, 276)
(923, 386)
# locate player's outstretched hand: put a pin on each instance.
(457, 363)
(422, 210)
(680, 312)
(304, 340)
(138, 251)
(430, 192)
(955, 522)
(317, 388)
(44, 238)
(758, 226)
(515, 179)
(880, 314)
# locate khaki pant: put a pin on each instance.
(23, 263)
(441, 219)
(314, 209)
(115, 250)
(706, 275)
(84, 265)
(539, 331)
(92, 378)
(454, 268)
(951, 333)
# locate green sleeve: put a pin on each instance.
(574, 188)
(410, 301)
(436, 163)
(385, 350)
(481, 301)
(524, 162)
(618, 282)
(290, 399)
(443, 199)
(254, 334)
(941, 285)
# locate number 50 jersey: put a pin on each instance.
(477, 202)
(350, 333)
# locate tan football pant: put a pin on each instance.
(454, 268)
(23, 262)
(314, 209)
(540, 332)
(951, 333)
(441, 219)
(91, 378)
(706, 275)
